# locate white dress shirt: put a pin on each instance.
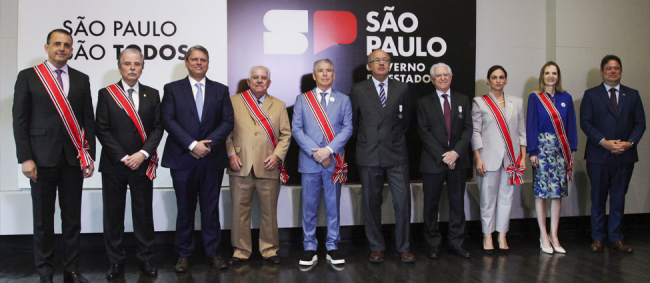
(136, 103)
(65, 77)
(378, 88)
(194, 91)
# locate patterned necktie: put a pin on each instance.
(612, 98)
(447, 113)
(59, 79)
(323, 101)
(259, 102)
(131, 95)
(382, 95)
(199, 101)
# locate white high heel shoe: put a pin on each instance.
(556, 249)
(545, 250)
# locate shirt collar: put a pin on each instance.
(440, 93)
(378, 82)
(136, 87)
(318, 91)
(193, 82)
(617, 87)
(64, 68)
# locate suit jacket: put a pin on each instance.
(308, 134)
(380, 131)
(486, 136)
(181, 120)
(251, 144)
(598, 121)
(433, 131)
(39, 132)
(118, 134)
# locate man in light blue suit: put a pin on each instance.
(322, 124)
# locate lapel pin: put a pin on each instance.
(332, 99)
(400, 112)
(624, 94)
(510, 104)
(145, 95)
(563, 104)
(460, 109)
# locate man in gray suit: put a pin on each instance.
(381, 113)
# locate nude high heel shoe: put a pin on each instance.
(545, 250)
(556, 249)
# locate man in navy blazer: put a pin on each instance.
(612, 117)
(317, 159)
(198, 115)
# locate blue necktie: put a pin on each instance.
(323, 100)
(382, 95)
(199, 101)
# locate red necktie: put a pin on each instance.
(447, 113)
(612, 98)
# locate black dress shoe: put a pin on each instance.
(115, 271)
(149, 269)
(182, 265)
(434, 253)
(73, 277)
(459, 251)
(217, 263)
(235, 261)
(46, 279)
(273, 259)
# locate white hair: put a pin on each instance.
(439, 65)
(250, 72)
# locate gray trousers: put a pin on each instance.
(496, 201)
(372, 182)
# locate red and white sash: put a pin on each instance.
(57, 95)
(265, 123)
(515, 172)
(120, 97)
(558, 125)
(340, 167)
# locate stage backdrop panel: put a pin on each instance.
(163, 30)
(288, 36)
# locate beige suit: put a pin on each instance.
(251, 144)
(496, 192)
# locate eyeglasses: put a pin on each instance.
(383, 60)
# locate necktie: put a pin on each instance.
(323, 101)
(199, 101)
(447, 113)
(259, 102)
(131, 95)
(58, 78)
(612, 98)
(382, 95)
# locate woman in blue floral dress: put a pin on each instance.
(547, 157)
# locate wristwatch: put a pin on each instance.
(631, 144)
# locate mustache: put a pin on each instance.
(132, 72)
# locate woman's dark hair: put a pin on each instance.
(494, 68)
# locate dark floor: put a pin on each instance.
(525, 264)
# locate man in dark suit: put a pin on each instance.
(197, 114)
(49, 152)
(445, 127)
(128, 159)
(612, 117)
(381, 113)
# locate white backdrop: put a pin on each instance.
(192, 23)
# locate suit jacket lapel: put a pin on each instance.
(209, 97)
(189, 97)
(72, 80)
(454, 106)
(621, 101)
(373, 96)
(391, 99)
(604, 95)
(510, 107)
(437, 109)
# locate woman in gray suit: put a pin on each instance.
(498, 141)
